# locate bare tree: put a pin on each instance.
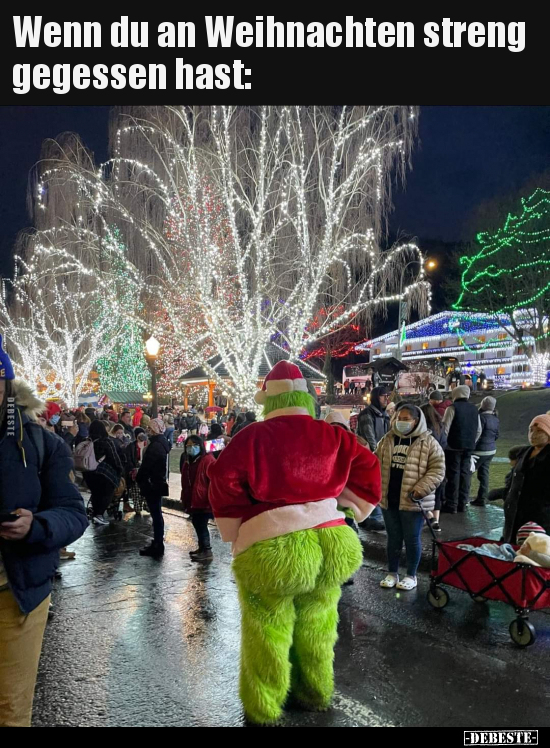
(241, 222)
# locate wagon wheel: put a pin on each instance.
(522, 632)
(438, 597)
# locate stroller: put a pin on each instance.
(522, 586)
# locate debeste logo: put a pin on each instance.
(501, 737)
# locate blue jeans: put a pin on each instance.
(403, 526)
(169, 434)
(376, 514)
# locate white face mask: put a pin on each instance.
(404, 427)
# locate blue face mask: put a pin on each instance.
(404, 427)
(193, 451)
(54, 420)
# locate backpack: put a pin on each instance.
(84, 457)
(203, 429)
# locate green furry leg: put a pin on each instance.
(315, 630)
(315, 634)
(267, 626)
(289, 590)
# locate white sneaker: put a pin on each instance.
(389, 581)
(97, 520)
(408, 583)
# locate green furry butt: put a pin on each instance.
(290, 400)
(289, 590)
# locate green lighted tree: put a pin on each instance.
(508, 275)
(124, 368)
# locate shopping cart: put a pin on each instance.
(522, 586)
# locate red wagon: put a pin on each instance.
(522, 586)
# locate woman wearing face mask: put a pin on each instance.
(413, 466)
(528, 499)
(152, 479)
(194, 466)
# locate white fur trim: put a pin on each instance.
(260, 397)
(361, 508)
(26, 399)
(294, 410)
(280, 386)
(229, 528)
(285, 519)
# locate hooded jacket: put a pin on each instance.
(152, 476)
(373, 422)
(43, 485)
(424, 470)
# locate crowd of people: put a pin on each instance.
(294, 548)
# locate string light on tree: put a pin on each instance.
(242, 223)
(509, 276)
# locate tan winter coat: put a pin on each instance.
(424, 470)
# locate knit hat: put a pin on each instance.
(157, 425)
(52, 409)
(436, 395)
(543, 422)
(6, 369)
(336, 417)
(145, 420)
(488, 403)
(526, 529)
(284, 377)
(461, 391)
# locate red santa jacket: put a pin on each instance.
(289, 473)
(194, 484)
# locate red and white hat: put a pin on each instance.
(526, 530)
(283, 377)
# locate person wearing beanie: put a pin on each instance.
(486, 447)
(372, 425)
(46, 513)
(438, 402)
(152, 479)
(528, 499)
(463, 428)
(413, 466)
(275, 491)
(526, 529)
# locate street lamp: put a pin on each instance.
(430, 265)
(153, 346)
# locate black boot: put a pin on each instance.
(153, 550)
(203, 554)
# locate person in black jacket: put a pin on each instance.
(486, 447)
(37, 489)
(249, 417)
(152, 479)
(528, 499)
(463, 428)
(435, 424)
(372, 425)
(103, 481)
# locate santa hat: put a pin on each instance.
(6, 369)
(526, 529)
(283, 378)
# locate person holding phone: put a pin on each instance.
(194, 466)
(41, 511)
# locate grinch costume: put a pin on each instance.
(275, 492)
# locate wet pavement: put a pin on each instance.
(138, 642)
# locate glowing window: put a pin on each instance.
(425, 346)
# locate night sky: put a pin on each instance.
(464, 156)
